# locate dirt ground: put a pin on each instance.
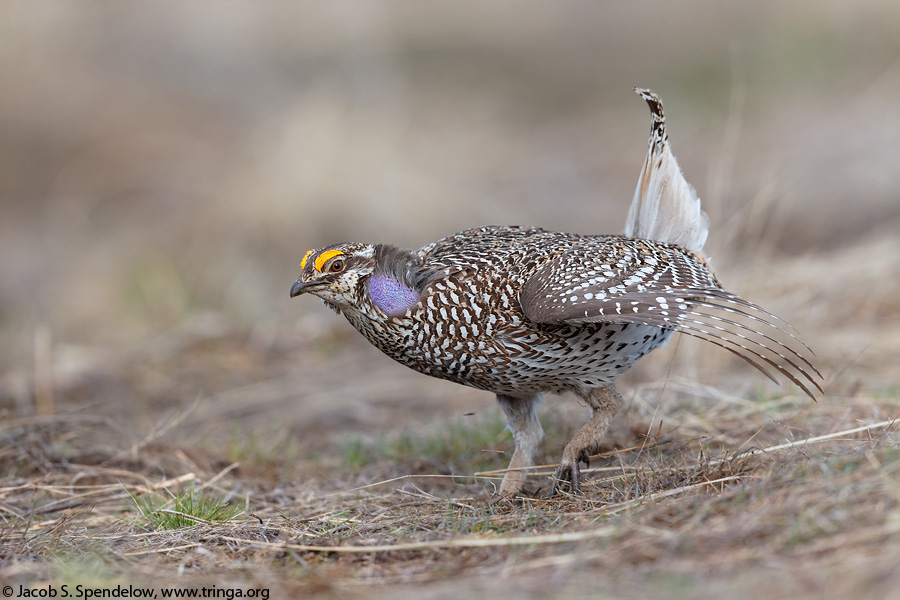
(163, 168)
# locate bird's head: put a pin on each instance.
(334, 273)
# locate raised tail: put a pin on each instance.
(665, 206)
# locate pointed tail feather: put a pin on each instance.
(665, 207)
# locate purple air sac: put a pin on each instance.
(391, 296)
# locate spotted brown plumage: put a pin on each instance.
(523, 311)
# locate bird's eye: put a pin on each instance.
(337, 266)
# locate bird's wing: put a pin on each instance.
(634, 281)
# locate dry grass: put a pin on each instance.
(781, 491)
(163, 169)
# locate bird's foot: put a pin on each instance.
(512, 483)
(568, 474)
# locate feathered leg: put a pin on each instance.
(605, 403)
(521, 418)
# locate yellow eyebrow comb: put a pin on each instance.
(323, 258)
(305, 256)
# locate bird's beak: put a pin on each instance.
(301, 287)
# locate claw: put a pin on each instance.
(566, 474)
(585, 457)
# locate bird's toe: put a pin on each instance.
(584, 457)
(568, 475)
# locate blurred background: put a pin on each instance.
(164, 167)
